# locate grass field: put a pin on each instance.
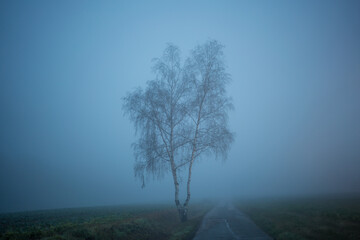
(312, 218)
(119, 222)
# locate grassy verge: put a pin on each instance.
(126, 222)
(321, 218)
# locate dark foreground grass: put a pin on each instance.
(152, 222)
(317, 218)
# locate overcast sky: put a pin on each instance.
(65, 65)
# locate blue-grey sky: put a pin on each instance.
(65, 65)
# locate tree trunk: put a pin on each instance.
(181, 209)
(183, 213)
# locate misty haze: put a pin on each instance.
(179, 120)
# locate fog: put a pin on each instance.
(65, 67)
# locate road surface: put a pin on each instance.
(227, 223)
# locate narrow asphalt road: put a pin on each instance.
(226, 222)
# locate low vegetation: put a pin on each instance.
(122, 222)
(296, 219)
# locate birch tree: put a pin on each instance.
(181, 115)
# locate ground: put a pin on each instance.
(291, 219)
(118, 222)
(307, 218)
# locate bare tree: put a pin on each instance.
(181, 115)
